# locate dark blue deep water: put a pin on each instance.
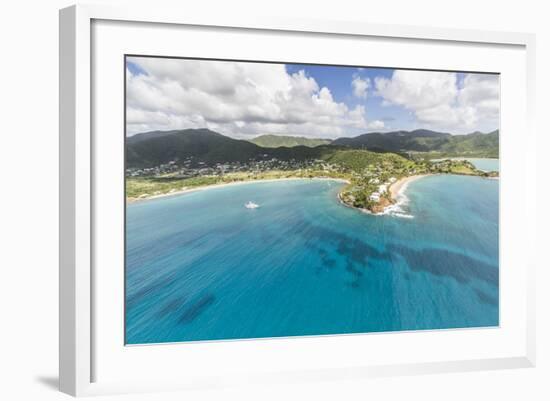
(201, 266)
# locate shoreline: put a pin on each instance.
(398, 187)
(226, 184)
(396, 190)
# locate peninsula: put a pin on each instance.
(372, 178)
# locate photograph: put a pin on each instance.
(268, 199)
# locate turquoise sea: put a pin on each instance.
(485, 164)
(201, 266)
(480, 163)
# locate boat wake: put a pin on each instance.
(251, 205)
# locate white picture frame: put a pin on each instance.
(79, 214)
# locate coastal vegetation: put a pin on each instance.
(146, 187)
(169, 162)
(369, 175)
(370, 183)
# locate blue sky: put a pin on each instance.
(338, 79)
(134, 68)
(247, 99)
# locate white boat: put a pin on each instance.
(251, 205)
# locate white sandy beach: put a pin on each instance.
(397, 190)
(399, 187)
(225, 184)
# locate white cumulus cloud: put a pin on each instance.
(237, 99)
(376, 125)
(440, 100)
(360, 86)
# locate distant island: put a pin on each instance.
(373, 165)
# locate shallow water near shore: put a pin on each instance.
(201, 266)
(483, 164)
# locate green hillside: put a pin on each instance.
(475, 144)
(276, 141)
(165, 162)
(154, 148)
(362, 160)
(478, 144)
(204, 146)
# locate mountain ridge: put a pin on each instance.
(277, 141)
(203, 145)
(423, 140)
